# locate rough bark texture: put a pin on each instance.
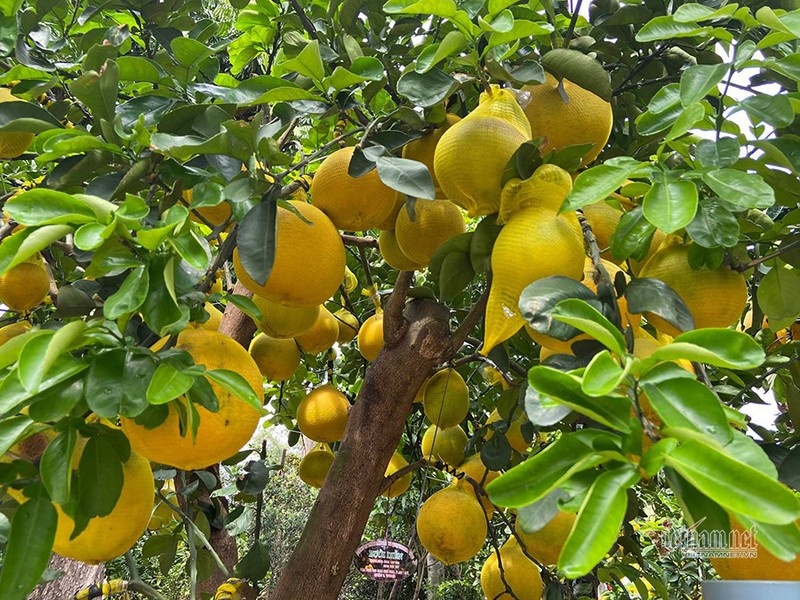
(75, 576)
(416, 340)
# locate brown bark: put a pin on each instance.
(75, 576)
(417, 339)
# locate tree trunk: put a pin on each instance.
(417, 339)
(75, 576)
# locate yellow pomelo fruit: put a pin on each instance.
(445, 444)
(604, 220)
(436, 222)
(534, 244)
(546, 188)
(446, 400)
(392, 255)
(214, 318)
(493, 376)
(348, 325)
(400, 486)
(472, 154)
(420, 397)
(585, 119)
(314, 467)
(24, 287)
(764, 566)
(565, 346)
(645, 344)
(715, 297)
(352, 203)
(281, 321)
(277, 359)
(163, 514)
(13, 330)
(514, 432)
(520, 573)
(220, 434)
(474, 468)
(212, 215)
(13, 143)
(545, 544)
(309, 259)
(451, 525)
(388, 222)
(322, 414)
(370, 337)
(350, 281)
(424, 148)
(322, 335)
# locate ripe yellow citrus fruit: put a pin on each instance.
(115, 533)
(436, 222)
(370, 337)
(645, 344)
(514, 432)
(451, 525)
(281, 321)
(352, 203)
(546, 188)
(277, 359)
(445, 444)
(534, 244)
(214, 318)
(220, 434)
(473, 153)
(474, 468)
(322, 335)
(24, 287)
(13, 143)
(446, 401)
(764, 566)
(545, 544)
(420, 397)
(715, 297)
(314, 467)
(210, 215)
(392, 255)
(400, 486)
(309, 259)
(350, 281)
(520, 573)
(348, 325)
(322, 414)
(13, 330)
(585, 119)
(163, 514)
(424, 148)
(388, 222)
(565, 346)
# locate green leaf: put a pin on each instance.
(439, 8)
(246, 305)
(48, 207)
(539, 299)
(611, 410)
(653, 295)
(100, 462)
(12, 394)
(715, 346)
(11, 428)
(237, 386)
(482, 242)
(722, 153)
(308, 62)
(55, 466)
(599, 521)
(407, 176)
(778, 292)
(666, 28)
(632, 236)
(167, 384)
(191, 249)
(452, 43)
(455, 275)
(160, 309)
(782, 541)
(670, 205)
(426, 89)
(26, 117)
(582, 316)
(774, 110)
(603, 375)
(576, 67)
(699, 80)
(600, 182)
(520, 29)
(542, 473)
(138, 68)
(19, 247)
(130, 295)
(739, 190)
(254, 565)
(33, 530)
(496, 453)
(689, 404)
(713, 226)
(98, 90)
(256, 240)
(733, 484)
(28, 370)
(188, 51)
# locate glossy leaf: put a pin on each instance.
(408, 177)
(778, 292)
(599, 182)
(130, 295)
(670, 205)
(582, 316)
(48, 207)
(652, 295)
(719, 347)
(602, 376)
(11, 428)
(167, 384)
(538, 300)
(256, 240)
(699, 80)
(426, 89)
(99, 462)
(55, 466)
(713, 226)
(739, 190)
(237, 386)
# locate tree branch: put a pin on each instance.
(358, 241)
(393, 320)
(307, 24)
(766, 257)
(470, 321)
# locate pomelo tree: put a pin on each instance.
(156, 156)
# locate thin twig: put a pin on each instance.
(761, 378)
(359, 241)
(307, 24)
(573, 21)
(470, 321)
(770, 256)
(323, 150)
